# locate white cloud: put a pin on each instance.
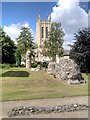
(14, 30)
(26, 25)
(71, 16)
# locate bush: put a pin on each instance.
(0, 65)
(22, 65)
(42, 65)
(4, 65)
(45, 65)
(13, 65)
(34, 65)
(10, 65)
(18, 57)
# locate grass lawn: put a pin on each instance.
(22, 84)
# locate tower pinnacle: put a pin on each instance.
(38, 18)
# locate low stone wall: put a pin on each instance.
(18, 111)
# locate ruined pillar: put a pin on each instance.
(28, 59)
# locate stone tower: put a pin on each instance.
(42, 29)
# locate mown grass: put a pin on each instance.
(37, 85)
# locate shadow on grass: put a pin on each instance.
(15, 74)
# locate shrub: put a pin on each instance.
(45, 65)
(18, 57)
(10, 65)
(13, 65)
(0, 65)
(34, 65)
(22, 65)
(4, 65)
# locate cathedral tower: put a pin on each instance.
(42, 29)
(38, 34)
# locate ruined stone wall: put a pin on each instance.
(66, 70)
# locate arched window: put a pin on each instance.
(42, 32)
(46, 32)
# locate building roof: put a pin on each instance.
(66, 52)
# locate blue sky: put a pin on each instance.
(23, 12)
(0, 13)
(15, 14)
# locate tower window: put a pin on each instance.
(42, 32)
(46, 32)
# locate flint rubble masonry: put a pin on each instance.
(66, 70)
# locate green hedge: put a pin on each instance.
(34, 65)
(5, 66)
(10, 65)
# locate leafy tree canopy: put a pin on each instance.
(25, 41)
(80, 50)
(53, 45)
(18, 57)
(8, 48)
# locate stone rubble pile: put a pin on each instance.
(66, 70)
(17, 111)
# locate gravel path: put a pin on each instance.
(6, 106)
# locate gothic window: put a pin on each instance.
(42, 32)
(46, 32)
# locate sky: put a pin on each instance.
(73, 15)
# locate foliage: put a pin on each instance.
(45, 65)
(13, 65)
(34, 65)
(18, 57)
(5, 66)
(23, 66)
(8, 48)
(80, 50)
(53, 45)
(25, 41)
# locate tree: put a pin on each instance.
(80, 50)
(1, 38)
(25, 42)
(18, 57)
(8, 48)
(53, 45)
